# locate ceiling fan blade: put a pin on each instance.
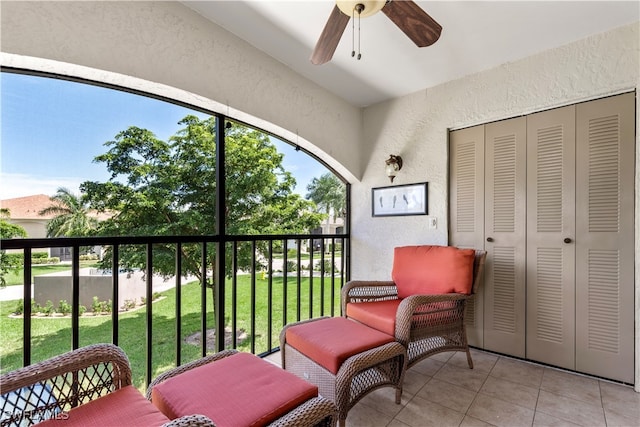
(422, 29)
(328, 41)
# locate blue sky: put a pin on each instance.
(52, 129)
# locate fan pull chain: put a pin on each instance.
(358, 8)
(359, 54)
(353, 32)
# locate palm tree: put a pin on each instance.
(71, 218)
(329, 194)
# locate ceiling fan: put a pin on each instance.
(422, 29)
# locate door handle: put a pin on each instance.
(567, 240)
(489, 239)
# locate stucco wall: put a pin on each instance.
(167, 43)
(416, 127)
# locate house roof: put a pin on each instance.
(27, 207)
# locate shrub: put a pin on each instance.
(64, 307)
(19, 308)
(39, 256)
(292, 253)
(129, 304)
(88, 257)
(327, 266)
(292, 266)
(95, 305)
(48, 308)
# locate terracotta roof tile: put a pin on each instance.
(27, 207)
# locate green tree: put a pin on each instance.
(329, 194)
(169, 188)
(8, 231)
(71, 215)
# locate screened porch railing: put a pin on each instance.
(274, 285)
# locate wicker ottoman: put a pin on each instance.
(344, 358)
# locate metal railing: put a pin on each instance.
(275, 284)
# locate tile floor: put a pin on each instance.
(499, 391)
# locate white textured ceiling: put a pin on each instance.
(476, 35)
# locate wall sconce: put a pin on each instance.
(393, 165)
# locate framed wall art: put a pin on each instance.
(410, 199)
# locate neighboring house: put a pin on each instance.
(25, 212)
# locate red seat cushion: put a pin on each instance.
(239, 390)
(329, 342)
(432, 270)
(124, 407)
(380, 315)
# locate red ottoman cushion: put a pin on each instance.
(239, 390)
(329, 342)
(124, 407)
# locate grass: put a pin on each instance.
(52, 336)
(16, 277)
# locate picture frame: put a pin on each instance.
(400, 200)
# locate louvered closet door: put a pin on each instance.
(605, 232)
(551, 237)
(466, 154)
(505, 216)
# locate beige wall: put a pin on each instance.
(415, 127)
(167, 49)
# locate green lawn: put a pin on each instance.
(15, 277)
(52, 336)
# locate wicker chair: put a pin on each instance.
(53, 389)
(424, 324)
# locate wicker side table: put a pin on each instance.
(344, 358)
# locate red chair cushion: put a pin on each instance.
(432, 270)
(380, 315)
(124, 407)
(239, 390)
(329, 342)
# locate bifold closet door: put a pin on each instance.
(551, 237)
(466, 154)
(605, 230)
(505, 235)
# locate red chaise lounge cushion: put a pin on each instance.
(239, 390)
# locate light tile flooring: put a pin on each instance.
(499, 391)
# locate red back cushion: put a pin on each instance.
(432, 270)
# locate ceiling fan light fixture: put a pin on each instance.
(371, 7)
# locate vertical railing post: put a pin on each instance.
(234, 292)
(75, 296)
(270, 296)
(178, 303)
(115, 297)
(149, 301)
(285, 277)
(26, 319)
(221, 207)
(203, 299)
(253, 297)
(298, 281)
